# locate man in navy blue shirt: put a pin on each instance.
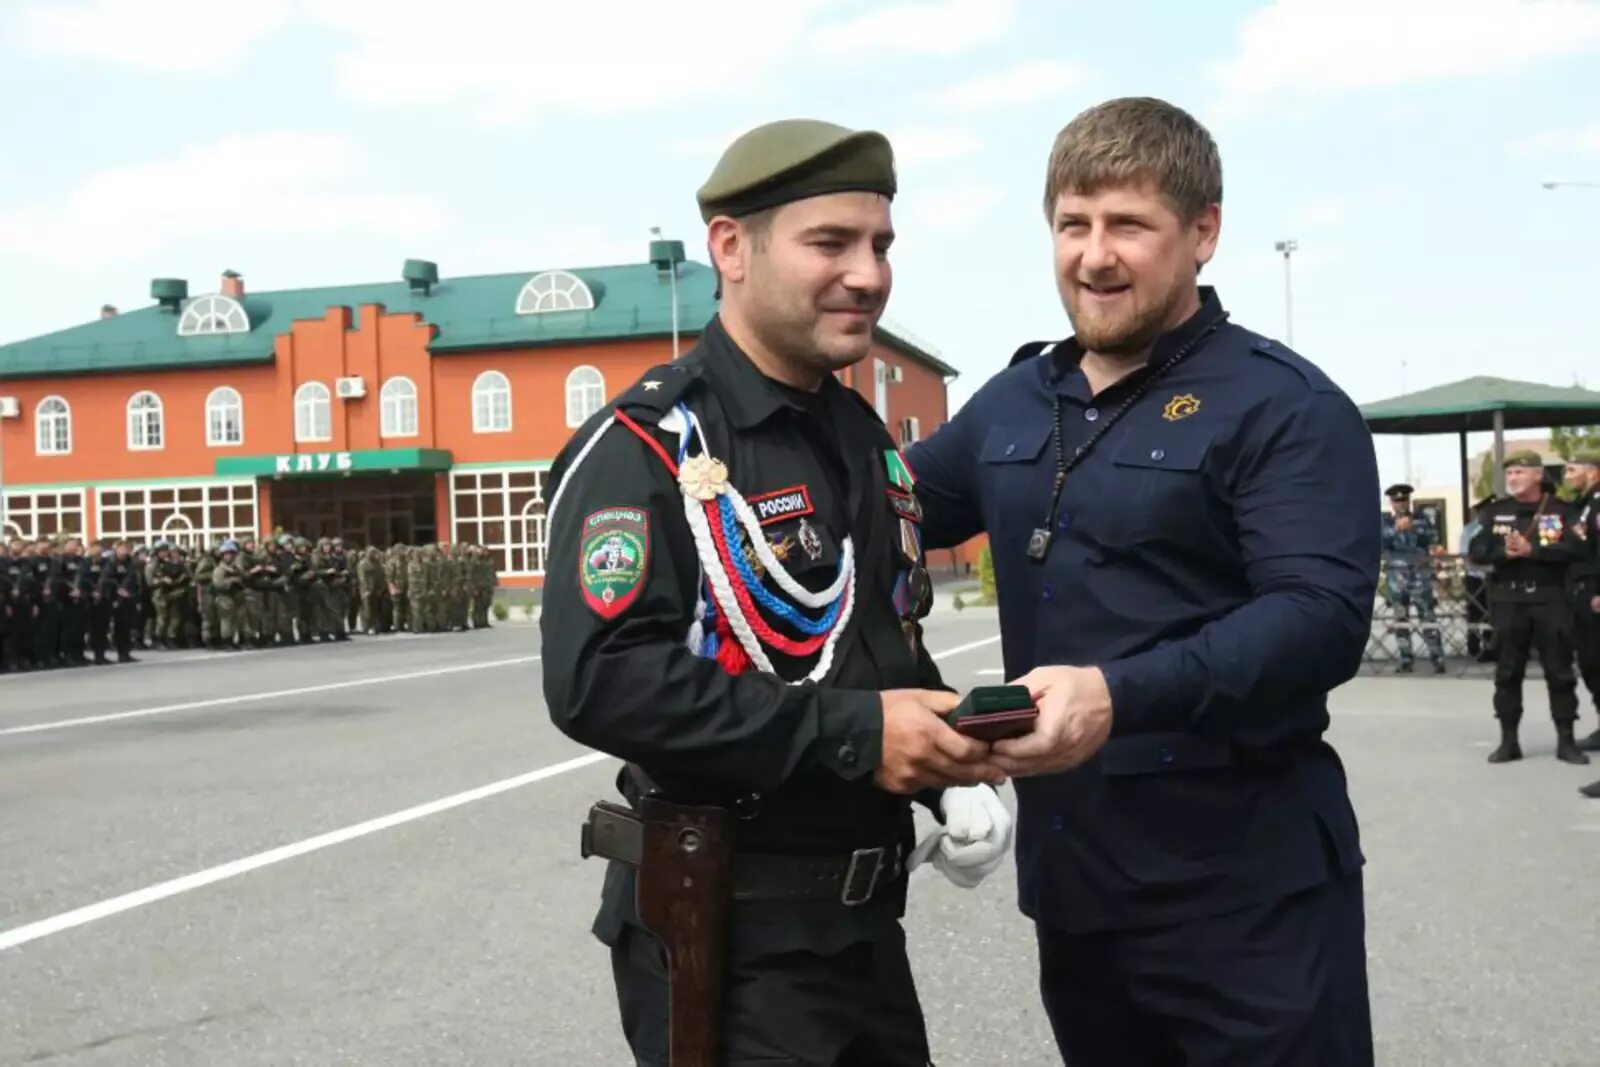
(1180, 513)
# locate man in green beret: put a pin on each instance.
(1531, 539)
(737, 571)
(1583, 479)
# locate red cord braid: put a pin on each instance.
(764, 632)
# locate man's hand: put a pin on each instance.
(920, 751)
(1403, 522)
(1594, 605)
(1517, 546)
(1074, 721)
(973, 841)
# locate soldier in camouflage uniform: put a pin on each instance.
(328, 609)
(284, 599)
(191, 599)
(303, 579)
(485, 578)
(395, 567)
(252, 615)
(449, 587)
(206, 599)
(170, 584)
(374, 585)
(227, 593)
(352, 591)
(145, 613)
(419, 579)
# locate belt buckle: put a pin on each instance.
(850, 899)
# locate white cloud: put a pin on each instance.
(914, 145)
(1314, 46)
(940, 28)
(1581, 141)
(1026, 83)
(1321, 213)
(173, 36)
(953, 207)
(268, 184)
(507, 63)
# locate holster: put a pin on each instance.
(684, 857)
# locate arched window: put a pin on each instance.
(313, 413)
(178, 530)
(11, 531)
(54, 421)
(491, 403)
(213, 314)
(144, 422)
(586, 394)
(399, 401)
(224, 417)
(554, 290)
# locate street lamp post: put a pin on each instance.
(665, 256)
(1288, 247)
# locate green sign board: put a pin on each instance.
(333, 464)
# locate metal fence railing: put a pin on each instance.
(1460, 602)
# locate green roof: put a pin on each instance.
(632, 301)
(1471, 405)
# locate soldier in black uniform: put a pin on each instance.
(122, 586)
(71, 608)
(96, 610)
(768, 659)
(1583, 475)
(1531, 539)
(46, 614)
(7, 609)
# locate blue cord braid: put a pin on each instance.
(783, 609)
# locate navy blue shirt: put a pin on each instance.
(1214, 554)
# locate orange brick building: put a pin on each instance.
(419, 409)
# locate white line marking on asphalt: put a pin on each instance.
(21, 935)
(989, 670)
(246, 698)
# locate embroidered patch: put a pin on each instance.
(614, 558)
(1180, 407)
(906, 505)
(783, 504)
(899, 470)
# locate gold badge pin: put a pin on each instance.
(1181, 407)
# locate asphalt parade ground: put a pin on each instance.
(367, 854)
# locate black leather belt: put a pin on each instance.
(851, 880)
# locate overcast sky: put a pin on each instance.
(1401, 142)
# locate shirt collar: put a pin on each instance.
(749, 396)
(1065, 357)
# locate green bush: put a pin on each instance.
(528, 608)
(957, 603)
(502, 610)
(986, 576)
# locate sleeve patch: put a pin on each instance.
(614, 559)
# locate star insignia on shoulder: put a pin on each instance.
(651, 386)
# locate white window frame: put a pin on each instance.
(138, 518)
(394, 403)
(220, 402)
(23, 512)
(52, 428)
(310, 400)
(147, 428)
(910, 430)
(554, 290)
(505, 532)
(880, 388)
(490, 387)
(213, 314)
(584, 398)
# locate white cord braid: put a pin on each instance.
(566, 480)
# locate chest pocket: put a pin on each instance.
(1014, 445)
(804, 545)
(1162, 485)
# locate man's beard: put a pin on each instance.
(1124, 335)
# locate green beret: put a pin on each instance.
(1587, 459)
(794, 159)
(1524, 458)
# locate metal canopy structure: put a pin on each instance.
(1478, 405)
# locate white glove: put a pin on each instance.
(973, 841)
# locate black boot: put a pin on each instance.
(1590, 743)
(1567, 750)
(1509, 748)
(1406, 667)
(1592, 790)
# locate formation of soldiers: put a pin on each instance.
(62, 602)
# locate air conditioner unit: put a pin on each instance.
(9, 408)
(350, 388)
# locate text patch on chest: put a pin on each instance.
(783, 504)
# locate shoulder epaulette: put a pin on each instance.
(657, 391)
(1313, 375)
(1031, 349)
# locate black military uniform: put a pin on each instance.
(46, 614)
(97, 611)
(71, 608)
(813, 981)
(8, 610)
(1529, 608)
(122, 586)
(1584, 584)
